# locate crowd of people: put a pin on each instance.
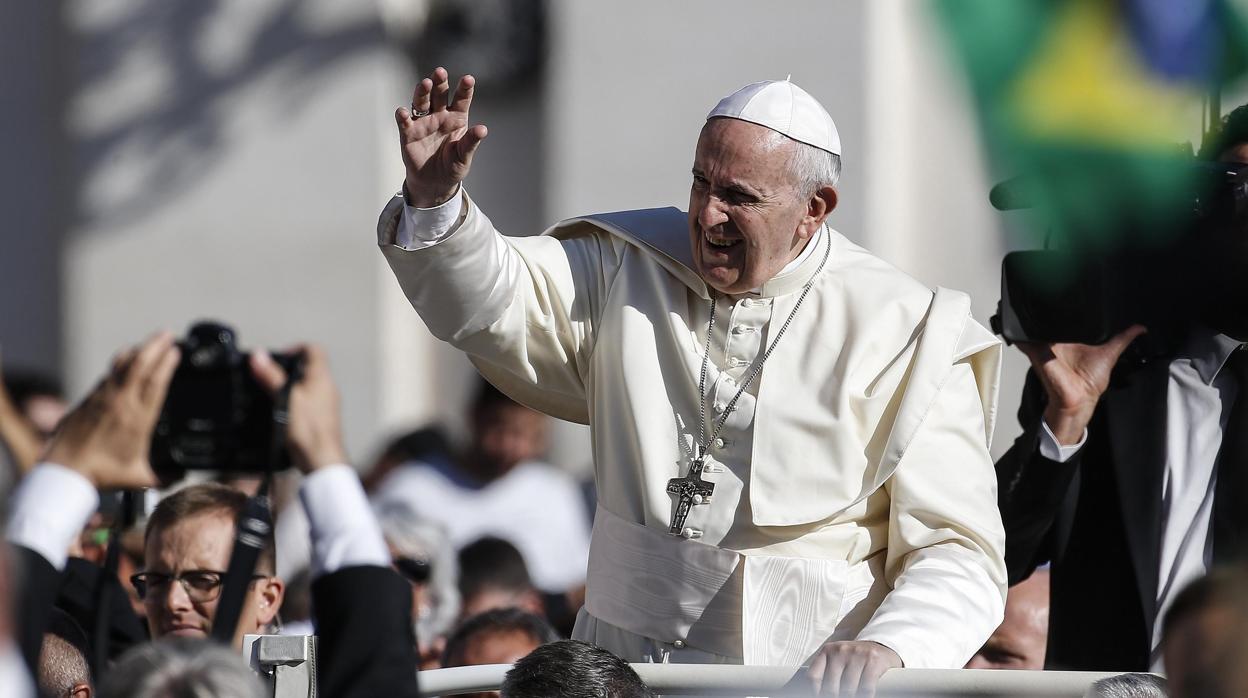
(838, 511)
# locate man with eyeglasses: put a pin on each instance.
(188, 542)
(363, 607)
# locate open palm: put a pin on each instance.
(436, 140)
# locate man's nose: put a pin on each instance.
(712, 213)
(175, 597)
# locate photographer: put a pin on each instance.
(366, 646)
(1129, 476)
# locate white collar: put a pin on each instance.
(802, 256)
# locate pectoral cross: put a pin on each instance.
(689, 490)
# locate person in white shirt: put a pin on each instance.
(499, 488)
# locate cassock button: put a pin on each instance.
(719, 407)
(690, 533)
(719, 442)
(679, 644)
(697, 499)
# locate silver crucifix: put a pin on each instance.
(689, 490)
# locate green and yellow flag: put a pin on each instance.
(1092, 103)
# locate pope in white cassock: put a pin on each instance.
(790, 436)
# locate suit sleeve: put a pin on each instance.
(1030, 489)
(524, 309)
(38, 584)
(366, 645)
(945, 538)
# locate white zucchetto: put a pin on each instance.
(784, 107)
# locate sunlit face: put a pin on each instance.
(201, 542)
(1020, 641)
(746, 218)
(496, 647)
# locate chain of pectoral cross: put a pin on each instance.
(692, 489)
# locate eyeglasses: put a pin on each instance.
(201, 586)
(414, 570)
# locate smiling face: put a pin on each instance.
(746, 217)
(202, 542)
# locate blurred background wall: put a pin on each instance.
(171, 160)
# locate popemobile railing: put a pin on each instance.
(734, 680)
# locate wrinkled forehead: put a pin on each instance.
(200, 541)
(737, 150)
(724, 132)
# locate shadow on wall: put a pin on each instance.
(203, 54)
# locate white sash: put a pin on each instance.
(771, 610)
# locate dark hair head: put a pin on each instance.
(23, 384)
(496, 621)
(492, 563)
(1234, 131)
(208, 498)
(489, 396)
(1214, 590)
(573, 669)
(422, 444)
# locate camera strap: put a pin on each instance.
(104, 594)
(253, 528)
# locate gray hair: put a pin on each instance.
(61, 667)
(1128, 686)
(181, 668)
(417, 538)
(813, 168)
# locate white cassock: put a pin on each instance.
(854, 494)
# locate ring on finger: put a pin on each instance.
(417, 113)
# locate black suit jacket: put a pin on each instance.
(37, 585)
(366, 646)
(1097, 518)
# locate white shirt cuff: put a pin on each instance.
(1051, 449)
(425, 227)
(49, 510)
(344, 531)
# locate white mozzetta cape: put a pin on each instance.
(854, 493)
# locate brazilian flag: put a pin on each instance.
(1093, 103)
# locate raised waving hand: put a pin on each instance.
(436, 139)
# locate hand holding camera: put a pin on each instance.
(315, 431)
(107, 436)
(1074, 377)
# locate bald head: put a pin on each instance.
(1020, 641)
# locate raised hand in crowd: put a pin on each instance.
(1074, 377)
(315, 430)
(106, 437)
(17, 435)
(437, 142)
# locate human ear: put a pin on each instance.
(818, 207)
(271, 594)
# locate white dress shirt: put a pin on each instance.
(53, 503)
(1199, 396)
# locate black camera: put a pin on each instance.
(1088, 296)
(216, 415)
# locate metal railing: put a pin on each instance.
(735, 680)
